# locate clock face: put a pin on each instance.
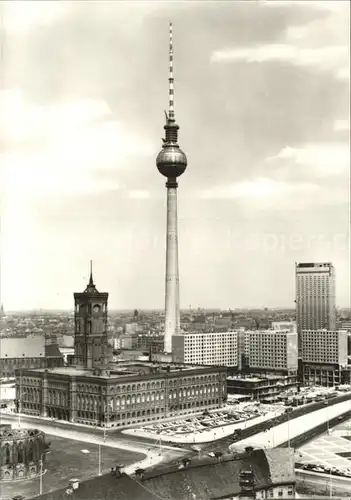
(96, 309)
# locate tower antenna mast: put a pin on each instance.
(170, 76)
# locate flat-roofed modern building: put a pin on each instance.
(215, 348)
(258, 350)
(324, 356)
(271, 351)
(315, 296)
(265, 388)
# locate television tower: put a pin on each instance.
(171, 162)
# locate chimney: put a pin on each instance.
(74, 484)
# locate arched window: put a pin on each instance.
(20, 453)
(7, 453)
(30, 451)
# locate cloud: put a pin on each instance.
(329, 5)
(255, 189)
(62, 147)
(319, 44)
(19, 17)
(24, 121)
(139, 194)
(315, 160)
(341, 125)
(326, 58)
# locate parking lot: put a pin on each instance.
(210, 425)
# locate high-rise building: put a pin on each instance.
(171, 162)
(90, 335)
(315, 297)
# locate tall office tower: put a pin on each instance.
(171, 162)
(315, 297)
(90, 336)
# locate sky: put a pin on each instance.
(262, 101)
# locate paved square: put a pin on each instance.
(326, 449)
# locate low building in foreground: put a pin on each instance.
(205, 478)
(22, 453)
(120, 394)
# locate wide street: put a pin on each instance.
(288, 430)
(153, 451)
(322, 484)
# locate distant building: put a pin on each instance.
(25, 353)
(315, 297)
(324, 356)
(125, 341)
(284, 325)
(218, 349)
(346, 325)
(130, 328)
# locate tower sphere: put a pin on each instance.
(171, 161)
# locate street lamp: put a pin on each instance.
(41, 472)
(289, 411)
(103, 441)
(326, 403)
(21, 394)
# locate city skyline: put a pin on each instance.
(262, 99)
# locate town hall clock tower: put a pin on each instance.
(90, 336)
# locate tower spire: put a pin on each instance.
(91, 282)
(170, 76)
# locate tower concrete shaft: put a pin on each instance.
(172, 314)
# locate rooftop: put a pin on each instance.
(209, 478)
(254, 378)
(106, 487)
(28, 347)
(202, 479)
(125, 369)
